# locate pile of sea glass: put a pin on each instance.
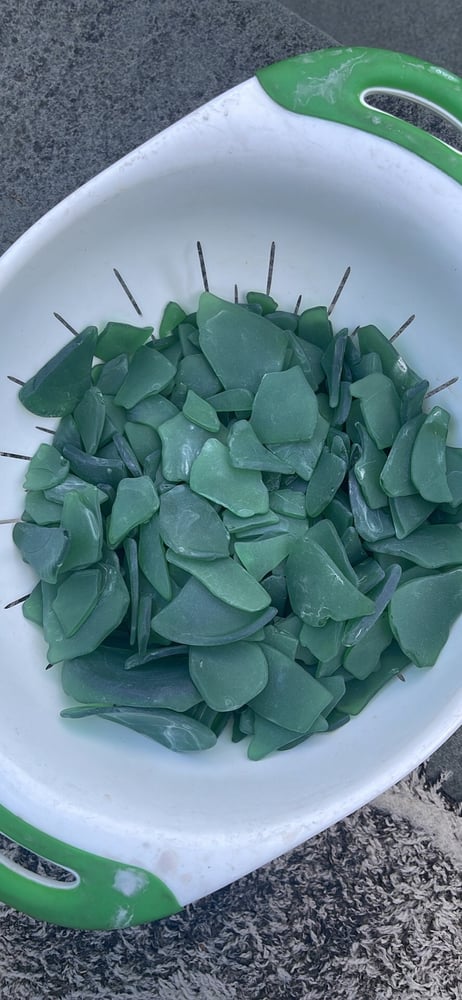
(248, 519)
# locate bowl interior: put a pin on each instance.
(236, 176)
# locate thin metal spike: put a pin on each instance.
(339, 290)
(12, 454)
(402, 328)
(13, 378)
(444, 385)
(10, 520)
(47, 430)
(65, 323)
(354, 332)
(203, 268)
(19, 600)
(297, 305)
(127, 291)
(236, 294)
(269, 279)
(49, 666)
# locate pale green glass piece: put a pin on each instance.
(73, 484)
(422, 612)
(285, 408)
(172, 315)
(106, 616)
(194, 372)
(90, 416)
(325, 534)
(240, 490)
(380, 407)
(126, 453)
(412, 400)
(327, 478)
(318, 590)
(332, 363)
(290, 502)
(191, 526)
(56, 388)
(353, 546)
(428, 460)
(112, 375)
(247, 452)
(314, 325)
(228, 676)
(363, 658)
(339, 512)
(226, 579)
(369, 573)
(152, 559)
(359, 693)
(303, 456)
(368, 469)
(240, 346)
(286, 643)
(242, 525)
(181, 444)
(132, 576)
(199, 411)
(197, 618)
(135, 503)
(101, 678)
(173, 730)
(381, 595)
(303, 699)
(114, 421)
(431, 546)
(42, 548)
(142, 439)
(261, 556)
(149, 372)
(324, 643)
(37, 508)
(76, 598)
(284, 320)
(395, 477)
(120, 338)
(336, 687)
(152, 411)
(370, 524)
(308, 356)
(370, 338)
(408, 513)
(47, 468)
(267, 303)
(232, 401)
(81, 519)
(368, 364)
(267, 737)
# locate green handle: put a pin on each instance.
(106, 895)
(332, 84)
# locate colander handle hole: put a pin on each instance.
(33, 865)
(418, 110)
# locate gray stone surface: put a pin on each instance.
(85, 81)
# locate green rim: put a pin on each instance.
(330, 84)
(107, 895)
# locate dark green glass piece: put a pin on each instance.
(143, 440)
(380, 407)
(314, 325)
(90, 416)
(101, 678)
(368, 468)
(37, 508)
(370, 524)
(370, 338)
(422, 612)
(362, 659)
(152, 558)
(76, 598)
(32, 608)
(57, 387)
(327, 478)
(292, 698)
(94, 470)
(199, 411)
(121, 338)
(106, 616)
(431, 546)
(172, 315)
(381, 595)
(412, 400)
(197, 618)
(149, 372)
(395, 477)
(324, 643)
(152, 411)
(42, 548)
(173, 730)
(359, 693)
(112, 375)
(232, 401)
(332, 363)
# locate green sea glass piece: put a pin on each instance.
(226, 579)
(303, 456)
(194, 372)
(422, 612)
(142, 439)
(238, 526)
(339, 512)
(152, 559)
(228, 676)
(267, 737)
(380, 407)
(428, 460)
(395, 477)
(431, 546)
(368, 468)
(42, 548)
(369, 573)
(408, 513)
(47, 468)
(82, 521)
(240, 346)
(370, 338)
(121, 338)
(289, 502)
(76, 598)
(240, 490)
(72, 484)
(106, 616)
(247, 452)
(363, 658)
(173, 730)
(267, 303)
(308, 357)
(135, 503)
(37, 508)
(199, 411)
(326, 535)
(132, 576)
(197, 618)
(232, 401)
(90, 416)
(324, 643)
(318, 590)
(172, 315)
(370, 524)
(112, 375)
(93, 469)
(101, 678)
(32, 608)
(261, 556)
(314, 325)
(332, 363)
(181, 444)
(149, 372)
(381, 595)
(152, 411)
(285, 408)
(358, 694)
(327, 478)
(190, 525)
(124, 449)
(292, 698)
(412, 400)
(56, 388)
